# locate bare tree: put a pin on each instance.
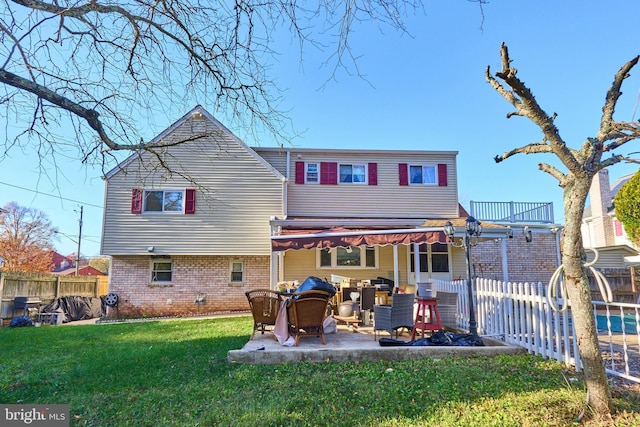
(102, 68)
(582, 165)
(26, 239)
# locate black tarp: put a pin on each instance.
(439, 338)
(76, 308)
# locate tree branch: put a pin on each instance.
(526, 106)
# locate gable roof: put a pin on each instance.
(86, 270)
(197, 110)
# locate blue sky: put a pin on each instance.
(424, 90)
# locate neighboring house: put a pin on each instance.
(602, 231)
(86, 270)
(60, 262)
(231, 218)
(600, 226)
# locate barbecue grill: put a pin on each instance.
(25, 304)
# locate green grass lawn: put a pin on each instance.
(175, 373)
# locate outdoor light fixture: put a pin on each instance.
(527, 234)
(509, 232)
(449, 230)
(473, 228)
(151, 249)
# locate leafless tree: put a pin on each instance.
(99, 68)
(582, 165)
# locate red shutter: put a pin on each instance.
(618, 227)
(136, 200)
(403, 173)
(190, 201)
(328, 173)
(373, 174)
(442, 175)
(299, 172)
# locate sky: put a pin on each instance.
(420, 90)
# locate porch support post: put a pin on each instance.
(416, 261)
(505, 262)
(273, 270)
(396, 273)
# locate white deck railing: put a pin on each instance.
(519, 314)
(513, 212)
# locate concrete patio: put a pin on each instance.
(347, 345)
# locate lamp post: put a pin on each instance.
(473, 229)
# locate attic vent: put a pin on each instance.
(198, 124)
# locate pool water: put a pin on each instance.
(630, 324)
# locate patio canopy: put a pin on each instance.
(291, 238)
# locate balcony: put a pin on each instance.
(513, 212)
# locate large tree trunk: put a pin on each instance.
(578, 291)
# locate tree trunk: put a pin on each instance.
(579, 293)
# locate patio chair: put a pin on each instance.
(264, 304)
(393, 317)
(306, 312)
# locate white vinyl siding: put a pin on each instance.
(236, 195)
(385, 200)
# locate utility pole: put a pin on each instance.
(79, 240)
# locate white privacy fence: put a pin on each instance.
(519, 314)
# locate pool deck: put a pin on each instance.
(347, 345)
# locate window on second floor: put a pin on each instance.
(312, 173)
(163, 200)
(350, 257)
(353, 174)
(421, 174)
(618, 228)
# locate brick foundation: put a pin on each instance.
(209, 275)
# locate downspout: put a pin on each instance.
(505, 262)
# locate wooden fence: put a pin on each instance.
(46, 287)
(520, 314)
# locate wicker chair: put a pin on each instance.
(306, 312)
(395, 316)
(264, 304)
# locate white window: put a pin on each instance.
(353, 174)
(312, 173)
(421, 174)
(161, 271)
(434, 258)
(237, 271)
(350, 257)
(164, 201)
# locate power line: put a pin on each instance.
(49, 195)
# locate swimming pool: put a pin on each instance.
(630, 324)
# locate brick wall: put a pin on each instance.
(130, 279)
(534, 261)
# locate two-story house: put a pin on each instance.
(602, 231)
(203, 221)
